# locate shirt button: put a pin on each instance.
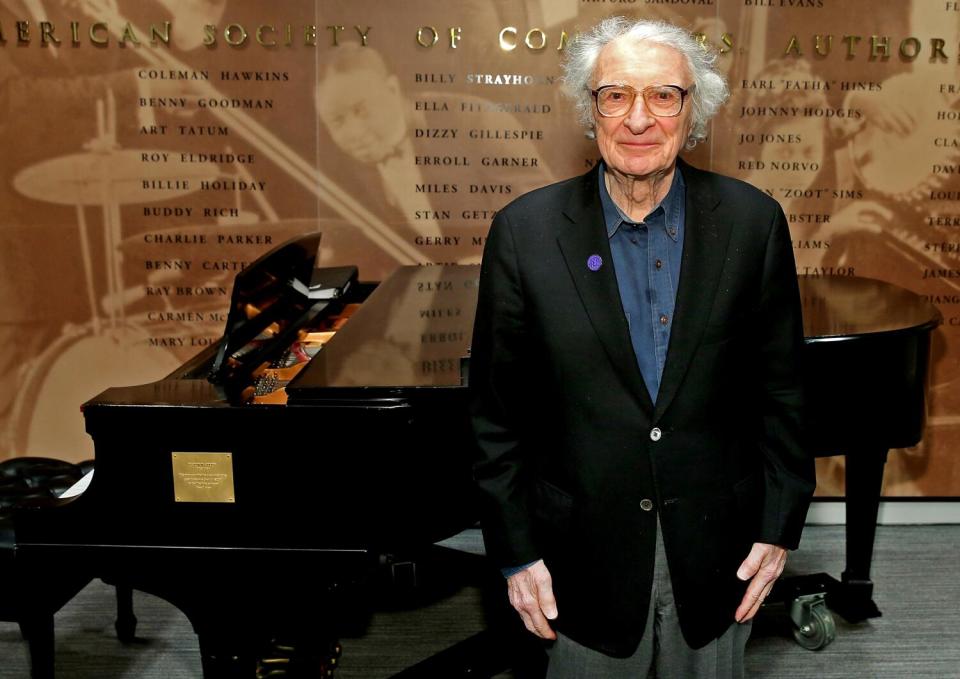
(646, 505)
(659, 264)
(663, 319)
(655, 434)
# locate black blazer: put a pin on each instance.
(576, 462)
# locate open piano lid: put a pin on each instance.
(272, 299)
(411, 335)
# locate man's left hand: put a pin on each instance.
(762, 567)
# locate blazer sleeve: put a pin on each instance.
(789, 476)
(499, 376)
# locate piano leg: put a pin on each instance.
(126, 623)
(852, 597)
(38, 631)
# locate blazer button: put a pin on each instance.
(646, 505)
(655, 434)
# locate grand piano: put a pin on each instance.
(259, 486)
(867, 351)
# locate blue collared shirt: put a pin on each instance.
(646, 258)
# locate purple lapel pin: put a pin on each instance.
(594, 262)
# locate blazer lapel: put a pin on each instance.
(584, 237)
(704, 252)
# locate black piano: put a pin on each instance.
(867, 351)
(258, 487)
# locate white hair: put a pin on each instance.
(709, 86)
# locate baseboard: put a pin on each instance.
(893, 512)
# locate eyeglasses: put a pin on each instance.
(663, 101)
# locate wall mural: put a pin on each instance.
(150, 150)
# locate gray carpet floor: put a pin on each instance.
(916, 571)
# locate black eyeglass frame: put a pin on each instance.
(596, 99)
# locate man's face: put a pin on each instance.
(364, 113)
(639, 144)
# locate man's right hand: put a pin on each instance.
(531, 593)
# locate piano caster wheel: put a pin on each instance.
(126, 631)
(815, 626)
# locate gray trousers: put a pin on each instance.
(662, 653)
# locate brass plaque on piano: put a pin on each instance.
(203, 477)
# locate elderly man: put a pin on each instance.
(636, 381)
